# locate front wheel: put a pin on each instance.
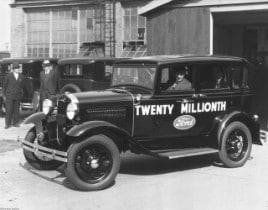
(36, 160)
(93, 163)
(236, 144)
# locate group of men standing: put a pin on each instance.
(13, 86)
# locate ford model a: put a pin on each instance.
(85, 74)
(163, 106)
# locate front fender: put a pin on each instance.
(36, 119)
(33, 118)
(81, 129)
(85, 127)
(221, 122)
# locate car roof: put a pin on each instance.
(24, 60)
(169, 59)
(87, 60)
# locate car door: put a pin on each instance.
(194, 110)
(175, 94)
(214, 94)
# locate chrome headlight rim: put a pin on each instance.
(47, 106)
(72, 110)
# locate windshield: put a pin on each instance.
(137, 75)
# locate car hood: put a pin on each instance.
(101, 97)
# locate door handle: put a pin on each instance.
(183, 101)
(202, 95)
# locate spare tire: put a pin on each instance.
(72, 88)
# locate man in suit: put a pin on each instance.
(49, 80)
(13, 92)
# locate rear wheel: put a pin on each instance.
(36, 160)
(236, 145)
(93, 163)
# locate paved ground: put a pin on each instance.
(143, 183)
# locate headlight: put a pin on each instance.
(47, 106)
(72, 110)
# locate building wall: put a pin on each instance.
(18, 39)
(179, 30)
(118, 29)
(30, 18)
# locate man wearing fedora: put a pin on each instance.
(13, 92)
(49, 82)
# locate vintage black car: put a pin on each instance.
(84, 74)
(141, 113)
(30, 68)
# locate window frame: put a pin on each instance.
(202, 90)
(159, 92)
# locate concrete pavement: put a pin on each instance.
(143, 183)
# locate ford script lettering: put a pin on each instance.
(184, 122)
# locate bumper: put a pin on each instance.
(39, 150)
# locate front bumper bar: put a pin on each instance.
(39, 150)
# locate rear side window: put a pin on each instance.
(239, 75)
(213, 76)
(72, 70)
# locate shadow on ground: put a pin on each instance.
(132, 165)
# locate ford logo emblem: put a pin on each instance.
(184, 122)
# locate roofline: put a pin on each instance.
(84, 60)
(23, 60)
(192, 3)
(152, 5)
(46, 3)
(164, 59)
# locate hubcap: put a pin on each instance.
(236, 145)
(93, 163)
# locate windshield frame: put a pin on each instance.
(143, 66)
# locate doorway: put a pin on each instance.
(245, 34)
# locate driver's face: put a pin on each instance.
(180, 76)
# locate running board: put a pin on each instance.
(185, 152)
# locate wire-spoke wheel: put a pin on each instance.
(236, 144)
(93, 163)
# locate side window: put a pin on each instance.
(213, 76)
(176, 78)
(237, 76)
(72, 70)
(98, 71)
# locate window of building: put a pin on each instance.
(134, 44)
(58, 28)
(38, 33)
(134, 25)
(91, 24)
(64, 32)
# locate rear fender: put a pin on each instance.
(222, 121)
